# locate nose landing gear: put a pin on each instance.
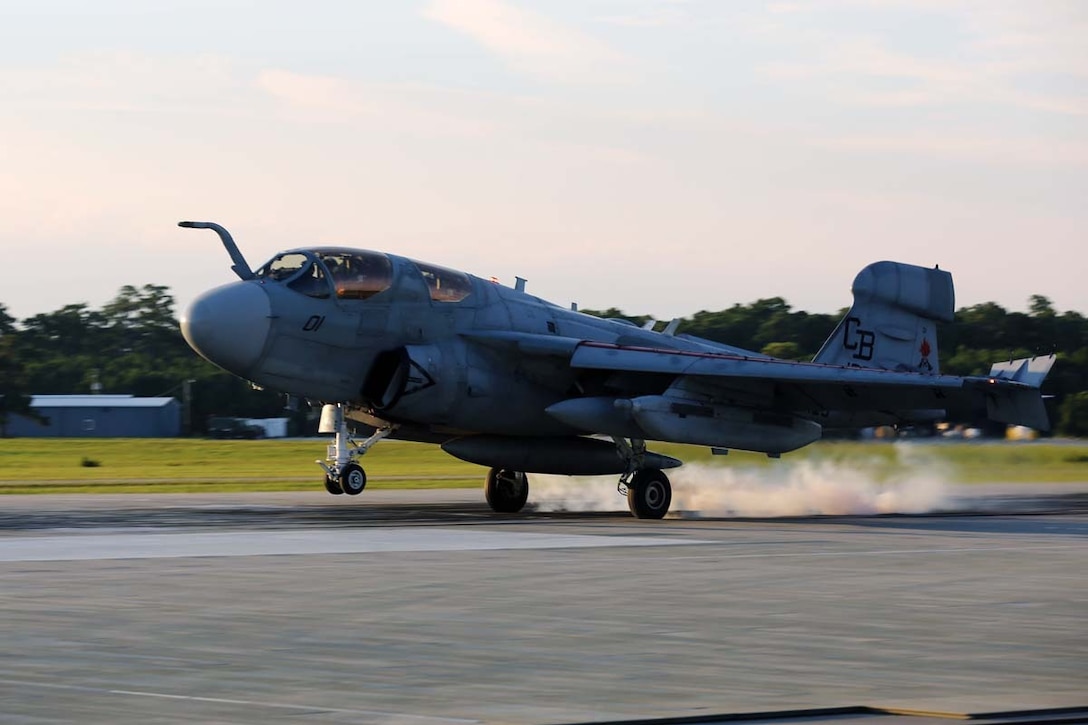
(342, 472)
(332, 485)
(353, 479)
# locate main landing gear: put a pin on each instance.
(648, 491)
(506, 491)
(342, 473)
(649, 494)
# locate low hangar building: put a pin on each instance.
(100, 416)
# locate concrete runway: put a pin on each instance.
(423, 607)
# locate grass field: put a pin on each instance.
(35, 465)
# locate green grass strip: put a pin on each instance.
(52, 465)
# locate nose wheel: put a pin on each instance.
(353, 479)
(506, 491)
(342, 472)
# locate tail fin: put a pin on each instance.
(892, 323)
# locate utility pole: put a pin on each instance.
(187, 407)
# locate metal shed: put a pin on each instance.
(100, 416)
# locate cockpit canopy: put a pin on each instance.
(445, 285)
(357, 275)
(354, 274)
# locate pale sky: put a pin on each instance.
(660, 156)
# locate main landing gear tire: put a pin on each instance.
(506, 491)
(333, 486)
(353, 479)
(649, 494)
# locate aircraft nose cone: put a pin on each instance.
(229, 325)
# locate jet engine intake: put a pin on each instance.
(400, 372)
(387, 379)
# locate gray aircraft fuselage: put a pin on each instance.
(463, 371)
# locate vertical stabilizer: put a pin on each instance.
(892, 323)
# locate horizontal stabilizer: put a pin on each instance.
(1029, 370)
(1012, 391)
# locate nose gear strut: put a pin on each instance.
(343, 474)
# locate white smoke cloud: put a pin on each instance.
(908, 483)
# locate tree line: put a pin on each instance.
(133, 345)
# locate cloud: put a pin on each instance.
(400, 108)
(863, 71)
(988, 53)
(129, 82)
(431, 112)
(531, 43)
(976, 148)
(659, 14)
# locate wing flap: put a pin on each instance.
(603, 356)
(1011, 392)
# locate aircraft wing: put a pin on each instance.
(1010, 392)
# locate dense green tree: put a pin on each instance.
(1074, 414)
(1041, 306)
(15, 395)
(783, 350)
(762, 323)
(613, 314)
(15, 391)
(7, 322)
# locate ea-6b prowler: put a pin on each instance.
(503, 379)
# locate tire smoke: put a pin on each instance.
(907, 484)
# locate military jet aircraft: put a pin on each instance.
(503, 379)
